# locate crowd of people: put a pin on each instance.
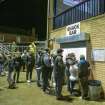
(51, 67)
(51, 71)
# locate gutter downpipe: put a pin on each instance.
(47, 36)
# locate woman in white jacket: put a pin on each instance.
(73, 72)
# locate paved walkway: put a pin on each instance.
(30, 94)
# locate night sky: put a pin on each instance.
(25, 14)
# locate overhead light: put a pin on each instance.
(2, 1)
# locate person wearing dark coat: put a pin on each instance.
(59, 73)
(46, 68)
(30, 66)
(24, 60)
(84, 72)
(17, 66)
(38, 67)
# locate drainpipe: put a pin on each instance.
(47, 36)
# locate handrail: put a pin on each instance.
(4, 48)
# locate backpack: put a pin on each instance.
(24, 58)
(46, 60)
(83, 68)
(38, 59)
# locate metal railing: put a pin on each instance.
(82, 11)
(6, 48)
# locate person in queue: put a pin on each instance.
(84, 72)
(59, 73)
(73, 72)
(17, 64)
(30, 66)
(46, 68)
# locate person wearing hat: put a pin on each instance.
(59, 73)
(67, 73)
(83, 76)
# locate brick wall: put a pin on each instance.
(56, 34)
(96, 28)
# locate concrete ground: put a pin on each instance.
(30, 94)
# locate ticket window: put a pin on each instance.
(76, 51)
